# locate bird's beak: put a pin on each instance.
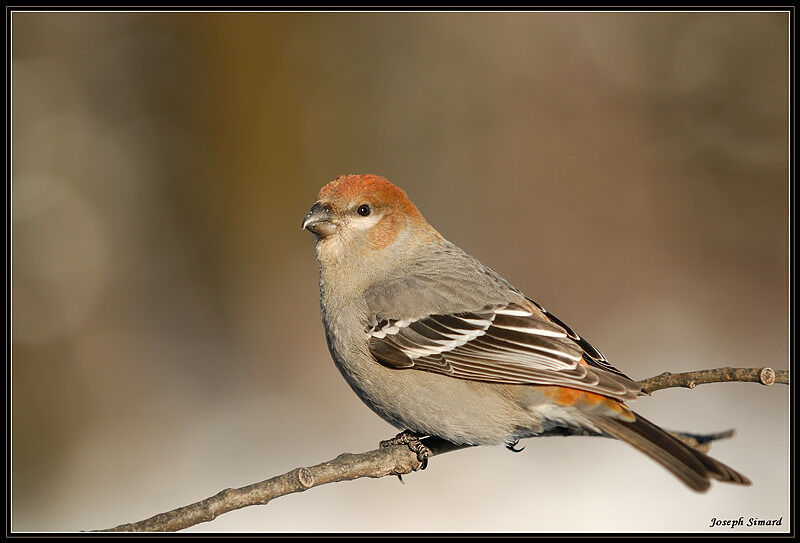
(319, 220)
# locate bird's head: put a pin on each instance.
(359, 217)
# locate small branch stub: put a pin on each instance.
(767, 376)
(305, 477)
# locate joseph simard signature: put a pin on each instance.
(738, 522)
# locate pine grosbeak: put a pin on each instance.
(438, 344)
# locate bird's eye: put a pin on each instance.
(364, 210)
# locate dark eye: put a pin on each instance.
(364, 210)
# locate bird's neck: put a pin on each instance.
(345, 276)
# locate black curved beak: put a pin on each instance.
(319, 220)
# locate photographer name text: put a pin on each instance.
(739, 522)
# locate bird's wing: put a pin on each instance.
(506, 343)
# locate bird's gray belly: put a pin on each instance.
(458, 410)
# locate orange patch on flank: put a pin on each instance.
(573, 397)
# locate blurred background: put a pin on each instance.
(629, 171)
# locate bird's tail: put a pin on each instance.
(693, 468)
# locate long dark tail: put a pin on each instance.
(693, 468)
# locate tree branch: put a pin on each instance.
(400, 460)
(766, 376)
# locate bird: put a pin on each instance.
(438, 344)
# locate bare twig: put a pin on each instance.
(395, 460)
(400, 460)
(766, 376)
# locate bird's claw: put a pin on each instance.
(413, 442)
(511, 446)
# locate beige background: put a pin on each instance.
(627, 171)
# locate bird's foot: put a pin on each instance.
(412, 441)
(511, 446)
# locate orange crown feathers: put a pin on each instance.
(373, 188)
